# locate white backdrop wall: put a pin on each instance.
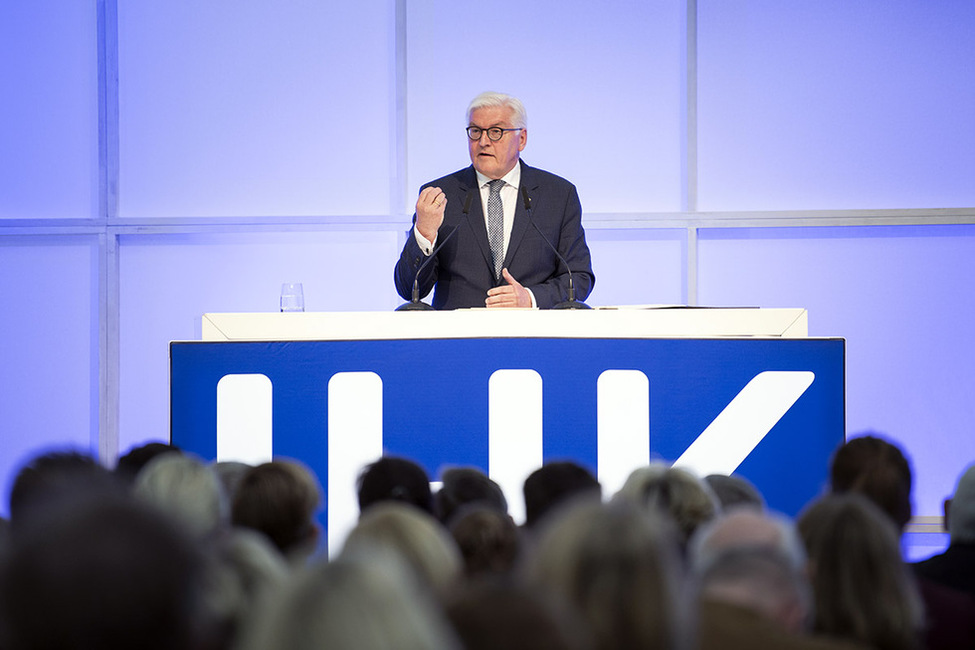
(161, 160)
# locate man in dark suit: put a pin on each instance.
(496, 254)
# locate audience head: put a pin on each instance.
(394, 479)
(961, 522)
(186, 489)
(412, 535)
(762, 581)
(280, 499)
(735, 492)
(863, 590)
(555, 483)
(131, 463)
(51, 478)
(243, 569)
(488, 540)
(746, 528)
(230, 473)
(466, 485)
(103, 572)
(367, 602)
(672, 490)
(618, 566)
(754, 560)
(493, 614)
(877, 469)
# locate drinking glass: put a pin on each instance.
(292, 297)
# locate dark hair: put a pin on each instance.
(555, 483)
(131, 463)
(489, 614)
(53, 477)
(278, 499)
(394, 479)
(735, 491)
(100, 572)
(463, 486)
(879, 471)
(489, 541)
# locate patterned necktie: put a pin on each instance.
(496, 225)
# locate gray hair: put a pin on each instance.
(745, 528)
(679, 493)
(519, 118)
(763, 580)
(961, 522)
(756, 560)
(186, 489)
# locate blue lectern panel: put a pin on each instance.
(435, 397)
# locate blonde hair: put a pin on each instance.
(414, 536)
(368, 602)
(863, 591)
(619, 567)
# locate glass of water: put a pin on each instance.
(292, 297)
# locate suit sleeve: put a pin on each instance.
(407, 266)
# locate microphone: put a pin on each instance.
(414, 304)
(571, 303)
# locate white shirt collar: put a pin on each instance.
(512, 178)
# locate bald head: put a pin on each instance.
(747, 529)
(754, 560)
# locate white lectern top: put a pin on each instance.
(679, 322)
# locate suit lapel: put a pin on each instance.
(521, 223)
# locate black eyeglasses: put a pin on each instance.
(495, 133)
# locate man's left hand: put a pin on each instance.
(509, 295)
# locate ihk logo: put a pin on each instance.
(245, 413)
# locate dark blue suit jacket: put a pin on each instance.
(462, 270)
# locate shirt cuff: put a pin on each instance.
(425, 246)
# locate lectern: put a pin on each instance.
(714, 390)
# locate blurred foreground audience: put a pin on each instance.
(618, 567)
(955, 567)
(687, 499)
(751, 585)
(878, 470)
(414, 537)
(555, 483)
(734, 492)
(101, 571)
(227, 556)
(394, 479)
(864, 592)
(363, 601)
(280, 500)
